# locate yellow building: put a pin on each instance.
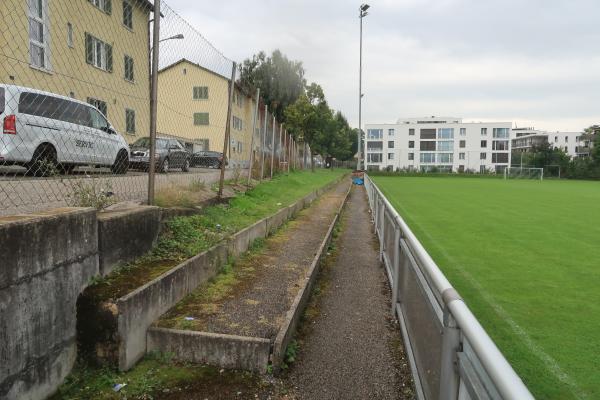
(91, 50)
(192, 106)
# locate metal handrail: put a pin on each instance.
(503, 376)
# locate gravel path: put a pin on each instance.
(352, 349)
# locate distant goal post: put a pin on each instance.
(524, 173)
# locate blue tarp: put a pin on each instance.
(358, 181)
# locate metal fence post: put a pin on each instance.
(153, 101)
(254, 118)
(273, 145)
(382, 246)
(449, 376)
(227, 129)
(396, 270)
(262, 149)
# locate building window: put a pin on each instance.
(428, 133)
(128, 14)
(129, 121)
(445, 158)
(129, 69)
(374, 133)
(390, 156)
(104, 5)
(445, 145)
(446, 133)
(427, 158)
(555, 139)
(411, 132)
(98, 53)
(462, 144)
(238, 99)
(237, 123)
(501, 133)
(411, 144)
(482, 169)
(499, 158)
(566, 139)
(426, 145)
(411, 156)
(483, 131)
(99, 104)
(69, 34)
(501, 145)
(482, 156)
(374, 157)
(38, 34)
(200, 92)
(375, 146)
(483, 144)
(390, 144)
(201, 119)
(391, 132)
(461, 156)
(463, 131)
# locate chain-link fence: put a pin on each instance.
(76, 106)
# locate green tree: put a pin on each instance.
(281, 81)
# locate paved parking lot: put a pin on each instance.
(23, 194)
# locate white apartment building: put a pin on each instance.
(445, 143)
(575, 144)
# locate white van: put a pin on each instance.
(45, 132)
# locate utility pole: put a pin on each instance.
(362, 13)
(227, 130)
(153, 101)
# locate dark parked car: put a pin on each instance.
(208, 159)
(170, 154)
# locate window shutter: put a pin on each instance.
(109, 57)
(89, 49)
(108, 6)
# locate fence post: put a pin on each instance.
(227, 129)
(382, 231)
(253, 133)
(262, 147)
(449, 376)
(153, 101)
(396, 270)
(273, 145)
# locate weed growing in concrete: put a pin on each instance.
(92, 192)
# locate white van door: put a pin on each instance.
(105, 137)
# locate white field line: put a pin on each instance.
(550, 363)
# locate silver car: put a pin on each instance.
(46, 132)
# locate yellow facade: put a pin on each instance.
(68, 72)
(177, 106)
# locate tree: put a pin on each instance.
(281, 81)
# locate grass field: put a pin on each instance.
(525, 255)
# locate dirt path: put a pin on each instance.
(352, 349)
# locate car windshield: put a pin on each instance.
(145, 142)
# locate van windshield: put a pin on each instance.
(1, 100)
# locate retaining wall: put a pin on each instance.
(47, 259)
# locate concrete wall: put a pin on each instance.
(125, 235)
(47, 260)
(227, 351)
(140, 308)
(241, 241)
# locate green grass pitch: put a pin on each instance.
(525, 256)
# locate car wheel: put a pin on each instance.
(186, 166)
(43, 162)
(165, 166)
(121, 164)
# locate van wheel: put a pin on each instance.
(164, 167)
(186, 166)
(121, 164)
(43, 162)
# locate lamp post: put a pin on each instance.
(362, 13)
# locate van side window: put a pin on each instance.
(2, 100)
(75, 113)
(98, 121)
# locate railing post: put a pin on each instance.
(382, 231)
(449, 377)
(396, 270)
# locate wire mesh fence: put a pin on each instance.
(75, 106)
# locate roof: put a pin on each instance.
(185, 60)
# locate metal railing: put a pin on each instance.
(451, 356)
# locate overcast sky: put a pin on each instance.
(532, 62)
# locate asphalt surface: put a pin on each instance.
(20, 194)
(352, 349)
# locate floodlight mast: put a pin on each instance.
(362, 13)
